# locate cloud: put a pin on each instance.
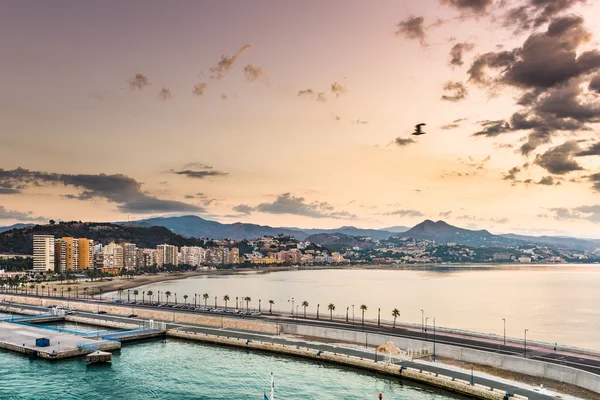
(198, 195)
(139, 81)
(405, 213)
(499, 220)
(590, 213)
(595, 84)
(459, 90)
(547, 180)
(399, 141)
(165, 94)
(226, 63)
(453, 125)
(224, 96)
(477, 71)
(511, 175)
(595, 178)
(535, 13)
(336, 117)
(360, 122)
(18, 215)
(199, 88)
(289, 204)
(243, 209)
(445, 214)
(321, 97)
(456, 53)
(117, 188)
(412, 28)
(469, 6)
(306, 92)
(253, 72)
(338, 89)
(593, 150)
(559, 160)
(198, 171)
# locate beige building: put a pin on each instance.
(112, 256)
(43, 253)
(170, 254)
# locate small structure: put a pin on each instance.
(42, 342)
(98, 357)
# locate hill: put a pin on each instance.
(443, 232)
(20, 241)
(339, 241)
(15, 226)
(194, 226)
(558, 241)
(396, 229)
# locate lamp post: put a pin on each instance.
(525, 344)
(352, 314)
(318, 305)
(347, 314)
(422, 321)
(195, 296)
(215, 301)
(433, 339)
(236, 303)
(426, 319)
(379, 317)
(297, 311)
(504, 320)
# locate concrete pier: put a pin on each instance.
(22, 339)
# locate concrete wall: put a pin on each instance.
(540, 369)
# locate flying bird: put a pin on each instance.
(418, 130)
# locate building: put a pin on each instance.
(60, 256)
(501, 257)
(43, 253)
(524, 259)
(112, 256)
(85, 253)
(193, 256)
(129, 255)
(66, 254)
(170, 254)
(234, 256)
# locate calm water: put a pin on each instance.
(180, 370)
(556, 303)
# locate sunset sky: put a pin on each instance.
(301, 113)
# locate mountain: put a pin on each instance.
(15, 226)
(559, 241)
(194, 226)
(443, 232)
(396, 229)
(339, 241)
(20, 241)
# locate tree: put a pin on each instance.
(363, 308)
(135, 295)
(305, 304)
(69, 290)
(205, 296)
(120, 291)
(185, 297)
(271, 302)
(395, 314)
(168, 294)
(226, 299)
(331, 307)
(52, 222)
(247, 300)
(150, 293)
(43, 287)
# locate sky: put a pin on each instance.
(301, 113)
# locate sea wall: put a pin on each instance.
(520, 365)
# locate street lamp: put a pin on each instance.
(347, 314)
(422, 321)
(434, 339)
(352, 314)
(426, 319)
(525, 344)
(504, 320)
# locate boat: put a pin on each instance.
(272, 390)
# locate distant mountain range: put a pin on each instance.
(443, 232)
(15, 226)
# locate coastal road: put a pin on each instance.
(570, 359)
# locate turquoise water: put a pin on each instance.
(184, 370)
(77, 327)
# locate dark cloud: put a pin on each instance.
(456, 53)
(139, 81)
(405, 213)
(226, 62)
(306, 92)
(243, 209)
(399, 141)
(199, 171)
(590, 213)
(458, 91)
(595, 179)
(595, 84)
(593, 150)
(118, 188)
(199, 195)
(493, 60)
(548, 180)
(534, 13)
(469, 6)
(445, 214)
(511, 175)
(18, 215)
(165, 94)
(453, 125)
(199, 88)
(412, 28)
(338, 89)
(253, 72)
(559, 160)
(289, 204)
(321, 97)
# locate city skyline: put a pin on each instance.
(290, 114)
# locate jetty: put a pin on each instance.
(98, 357)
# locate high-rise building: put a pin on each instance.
(85, 253)
(43, 253)
(193, 256)
(66, 254)
(234, 256)
(170, 253)
(129, 255)
(60, 256)
(112, 256)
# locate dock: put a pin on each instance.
(98, 357)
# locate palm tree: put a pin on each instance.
(69, 290)
(395, 314)
(305, 304)
(363, 308)
(120, 291)
(331, 307)
(43, 287)
(271, 302)
(54, 290)
(168, 294)
(226, 299)
(85, 290)
(247, 300)
(185, 297)
(135, 295)
(150, 293)
(205, 296)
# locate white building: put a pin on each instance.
(524, 259)
(192, 255)
(43, 253)
(112, 256)
(170, 253)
